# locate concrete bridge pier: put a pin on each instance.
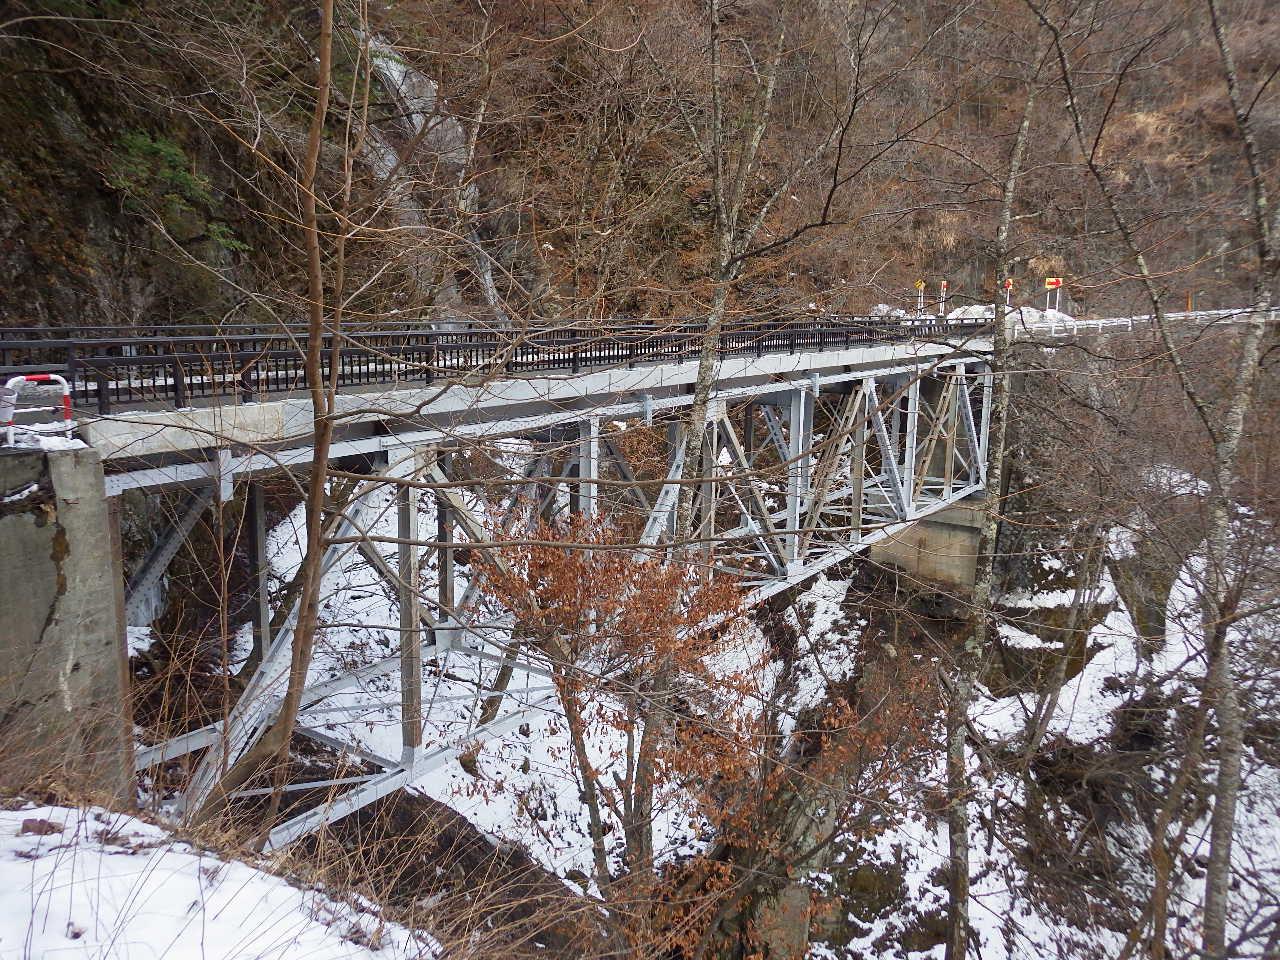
(939, 549)
(63, 656)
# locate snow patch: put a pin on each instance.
(89, 883)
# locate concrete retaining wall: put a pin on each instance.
(63, 657)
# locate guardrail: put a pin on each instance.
(112, 368)
(1071, 326)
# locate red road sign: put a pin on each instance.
(1052, 283)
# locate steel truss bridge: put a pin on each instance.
(825, 437)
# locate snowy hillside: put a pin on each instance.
(86, 883)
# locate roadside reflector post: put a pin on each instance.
(942, 299)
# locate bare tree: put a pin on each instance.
(1223, 424)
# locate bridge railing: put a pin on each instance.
(112, 368)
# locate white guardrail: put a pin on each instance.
(1063, 325)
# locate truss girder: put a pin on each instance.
(258, 704)
(801, 506)
(156, 564)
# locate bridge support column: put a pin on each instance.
(410, 618)
(939, 549)
(63, 688)
(799, 453)
(444, 557)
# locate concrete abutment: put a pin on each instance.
(64, 675)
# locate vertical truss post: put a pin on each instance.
(858, 461)
(955, 383)
(811, 402)
(749, 431)
(984, 435)
(909, 447)
(799, 447)
(677, 449)
(710, 463)
(588, 465)
(223, 477)
(444, 556)
(259, 566)
(410, 618)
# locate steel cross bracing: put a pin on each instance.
(802, 477)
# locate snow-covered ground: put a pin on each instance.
(86, 883)
(1011, 920)
(527, 792)
(909, 851)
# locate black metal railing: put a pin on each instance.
(116, 368)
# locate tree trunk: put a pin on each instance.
(274, 746)
(1221, 681)
(961, 694)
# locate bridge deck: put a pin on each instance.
(478, 383)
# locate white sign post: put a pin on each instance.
(942, 300)
(1052, 293)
